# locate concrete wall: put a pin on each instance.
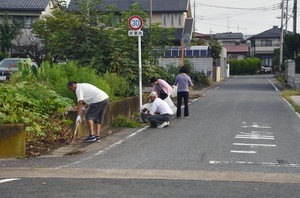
(12, 141)
(292, 78)
(199, 64)
(126, 107)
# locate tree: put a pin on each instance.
(216, 49)
(93, 38)
(8, 32)
(29, 45)
(291, 45)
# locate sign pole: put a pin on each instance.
(140, 71)
(135, 23)
(182, 52)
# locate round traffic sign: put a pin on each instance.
(135, 22)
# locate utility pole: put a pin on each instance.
(295, 17)
(281, 36)
(150, 12)
(286, 16)
(194, 15)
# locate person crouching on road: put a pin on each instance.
(96, 100)
(160, 113)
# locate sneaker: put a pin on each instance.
(164, 124)
(186, 117)
(90, 138)
(97, 138)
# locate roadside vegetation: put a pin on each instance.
(287, 95)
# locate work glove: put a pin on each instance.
(78, 119)
(83, 109)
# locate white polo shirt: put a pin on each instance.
(160, 106)
(89, 93)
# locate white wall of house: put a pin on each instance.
(168, 20)
(266, 46)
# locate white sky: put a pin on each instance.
(246, 16)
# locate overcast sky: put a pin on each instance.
(246, 16)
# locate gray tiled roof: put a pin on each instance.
(271, 33)
(24, 5)
(157, 5)
(274, 32)
(229, 35)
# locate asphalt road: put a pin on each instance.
(241, 140)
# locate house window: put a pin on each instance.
(179, 19)
(265, 43)
(27, 20)
(164, 20)
(172, 19)
(266, 61)
(228, 43)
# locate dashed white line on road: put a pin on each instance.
(270, 164)
(254, 145)
(8, 180)
(247, 152)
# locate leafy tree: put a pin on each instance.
(215, 49)
(91, 37)
(8, 32)
(291, 45)
(30, 46)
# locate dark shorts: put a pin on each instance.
(96, 111)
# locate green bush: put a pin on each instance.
(123, 121)
(3, 55)
(33, 105)
(118, 84)
(247, 66)
(58, 75)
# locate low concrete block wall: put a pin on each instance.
(12, 141)
(126, 107)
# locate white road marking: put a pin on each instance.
(247, 152)
(102, 151)
(257, 126)
(254, 145)
(224, 83)
(272, 84)
(255, 137)
(8, 180)
(255, 163)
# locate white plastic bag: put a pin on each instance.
(174, 91)
(171, 104)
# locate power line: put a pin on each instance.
(274, 7)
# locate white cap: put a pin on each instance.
(153, 93)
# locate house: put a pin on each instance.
(234, 43)
(26, 10)
(170, 13)
(263, 44)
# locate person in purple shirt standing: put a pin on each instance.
(183, 81)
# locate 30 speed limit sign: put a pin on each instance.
(135, 22)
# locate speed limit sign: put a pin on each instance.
(135, 22)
